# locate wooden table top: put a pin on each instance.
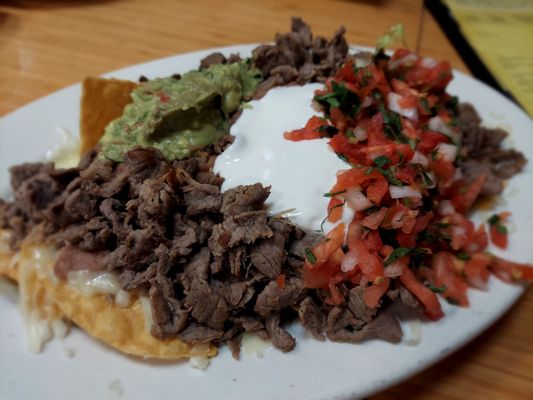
(47, 45)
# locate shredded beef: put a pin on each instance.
(280, 337)
(275, 298)
(211, 263)
(312, 318)
(485, 154)
(298, 58)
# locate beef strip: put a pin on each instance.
(274, 298)
(298, 58)
(244, 228)
(485, 155)
(312, 318)
(244, 198)
(281, 339)
(206, 305)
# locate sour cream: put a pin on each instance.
(299, 172)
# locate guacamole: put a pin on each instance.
(179, 116)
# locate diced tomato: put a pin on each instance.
(310, 131)
(376, 190)
(371, 78)
(409, 128)
(376, 135)
(374, 220)
(372, 240)
(354, 177)
(406, 174)
(335, 210)
(498, 232)
(444, 169)
(433, 79)
(374, 293)
(498, 237)
(476, 270)
(444, 274)
(335, 296)
(481, 240)
(338, 119)
(280, 281)
(346, 72)
(370, 265)
(462, 231)
(464, 195)
(430, 301)
(429, 140)
(510, 271)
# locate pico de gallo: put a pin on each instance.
(401, 207)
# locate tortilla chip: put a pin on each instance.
(102, 101)
(124, 328)
(8, 258)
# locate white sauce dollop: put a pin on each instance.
(299, 172)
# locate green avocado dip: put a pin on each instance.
(180, 116)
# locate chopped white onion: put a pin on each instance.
(393, 270)
(396, 220)
(199, 362)
(393, 103)
(428, 62)
(349, 261)
(458, 231)
(438, 125)
(447, 151)
(415, 328)
(419, 158)
(408, 60)
(360, 133)
(367, 101)
(445, 208)
(400, 192)
(458, 174)
(357, 200)
(431, 176)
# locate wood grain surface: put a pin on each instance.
(47, 45)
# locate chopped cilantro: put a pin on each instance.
(497, 222)
(392, 124)
(453, 102)
(310, 255)
(435, 289)
(328, 130)
(331, 194)
(425, 105)
(343, 157)
(349, 133)
(452, 301)
(397, 253)
(381, 161)
(463, 256)
(329, 212)
(342, 98)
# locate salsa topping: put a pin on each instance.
(400, 134)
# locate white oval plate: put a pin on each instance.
(314, 370)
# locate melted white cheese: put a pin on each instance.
(67, 153)
(147, 312)
(199, 362)
(253, 345)
(90, 283)
(299, 172)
